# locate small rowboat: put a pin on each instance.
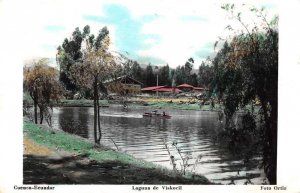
(157, 115)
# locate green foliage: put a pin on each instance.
(183, 74)
(71, 52)
(188, 67)
(137, 71)
(27, 99)
(163, 76)
(166, 76)
(179, 75)
(149, 77)
(205, 73)
(71, 143)
(99, 39)
(246, 70)
(193, 80)
(60, 140)
(40, 82)
(181, 106)
(80, 103)
(68, 54)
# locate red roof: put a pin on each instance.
(151, 88)
(168, 90)
(199, 88)
(185, 86)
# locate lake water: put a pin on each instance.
(145, 138)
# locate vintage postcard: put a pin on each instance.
(176, 96)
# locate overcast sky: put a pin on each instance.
(149, 31)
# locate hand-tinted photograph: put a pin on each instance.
(151, 92)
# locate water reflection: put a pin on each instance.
(144, 138)
(74, 120)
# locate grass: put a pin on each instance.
(159, 103)
(81, 103)
(71, 143)
(60, 140)
(183, 106)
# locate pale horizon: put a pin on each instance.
(163, 33)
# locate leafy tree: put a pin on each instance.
(193, 80)
(41, 82)
(183, 74)
(68, 54)
(246, 71)
(172, 78)
(137, 71)
(163, 76)
(218, 84)
(188, 67)
(98, 64)
(128, 67)
(149, 77)
(179, 75)
(103, 33)
(205, 73)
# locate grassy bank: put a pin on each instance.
(80, 103)
(141, 102)
(59, 140)
(183, 106)
(71, 143)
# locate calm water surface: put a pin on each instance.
(144, 138)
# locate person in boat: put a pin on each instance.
(164, 114)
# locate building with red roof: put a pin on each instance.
(199, 89)
(160, 89)
(176, 90)
(151, 88)
(185, 87)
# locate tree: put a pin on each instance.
(137, 71)
(249, 72)
(149, 77)
(193, 79)
(41, 81)
(179, 75)
(127, 67)
(68, 54)
(163, 75)
(205, 73)
(188, 67)
(98, 64)
(218, 83)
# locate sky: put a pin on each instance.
(149, 31)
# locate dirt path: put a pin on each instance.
(46, 166)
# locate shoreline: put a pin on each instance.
(156, 105)
(140, 103)
(113, 163)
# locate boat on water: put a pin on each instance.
(154, 114)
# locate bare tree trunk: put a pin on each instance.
(35, 112)
(41, 115)
(98, 112)
(99, 127)
(95, 110)
(35, 101)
